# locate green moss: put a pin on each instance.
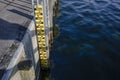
(13, 47)
(55, 30)
(45, 74)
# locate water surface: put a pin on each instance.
(88, 47)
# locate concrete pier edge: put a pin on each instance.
(28, 48)
(17, 54)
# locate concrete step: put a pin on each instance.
(15, 17)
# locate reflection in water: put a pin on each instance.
(88, 46)
(44, 75)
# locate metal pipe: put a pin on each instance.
(37, 2)
(33, 5)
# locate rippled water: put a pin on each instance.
(88, 46)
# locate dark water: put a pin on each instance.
(88, 47)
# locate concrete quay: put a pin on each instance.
(19, 58)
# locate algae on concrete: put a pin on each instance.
(55, 30)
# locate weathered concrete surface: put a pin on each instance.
(15, 16)
(24, 65)
(19, 58)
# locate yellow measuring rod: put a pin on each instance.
(40, 30)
